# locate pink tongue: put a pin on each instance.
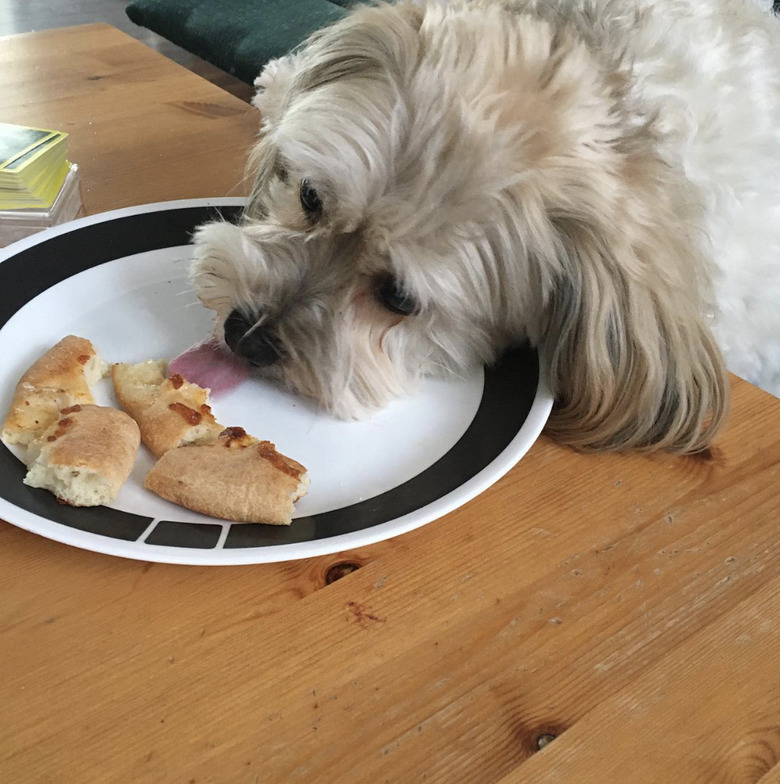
(210, 365)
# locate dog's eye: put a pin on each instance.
(310, 200)
(395, 298)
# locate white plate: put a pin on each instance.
(120, 279)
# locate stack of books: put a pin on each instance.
(39, 187)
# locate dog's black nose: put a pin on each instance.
(259, 348)
(236, 326)
(252, 343)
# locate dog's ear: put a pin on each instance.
(272, 89)
(632, 361)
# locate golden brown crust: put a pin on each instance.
(85, 456)
(169, 411)
(62, 367)
(236, 437)
(57, 380)
(281, 462)
(97, 437)
(237, 478)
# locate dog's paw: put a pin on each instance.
(271, 88)
(222, 262)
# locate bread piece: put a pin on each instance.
(59, 379)
(85, 456)
(237, 478)
(170, 412)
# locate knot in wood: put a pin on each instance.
(339, 570)
(544, 740)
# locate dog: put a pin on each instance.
(434, 182)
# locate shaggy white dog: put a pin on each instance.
(434, 182)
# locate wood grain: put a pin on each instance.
(24, 16)
(624, 610)
(676, 722)
(142, 128)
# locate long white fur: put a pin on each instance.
(600, 177)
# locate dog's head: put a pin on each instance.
(433, 183)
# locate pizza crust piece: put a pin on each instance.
(170, 412)
(59, 379)
(85, 456)
(237, 478)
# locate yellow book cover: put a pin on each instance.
(21, 146)
(33, 166)
(44, 195)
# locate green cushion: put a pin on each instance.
(239, 36)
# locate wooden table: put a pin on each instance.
(621, 613)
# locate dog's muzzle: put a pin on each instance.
(251, 341)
